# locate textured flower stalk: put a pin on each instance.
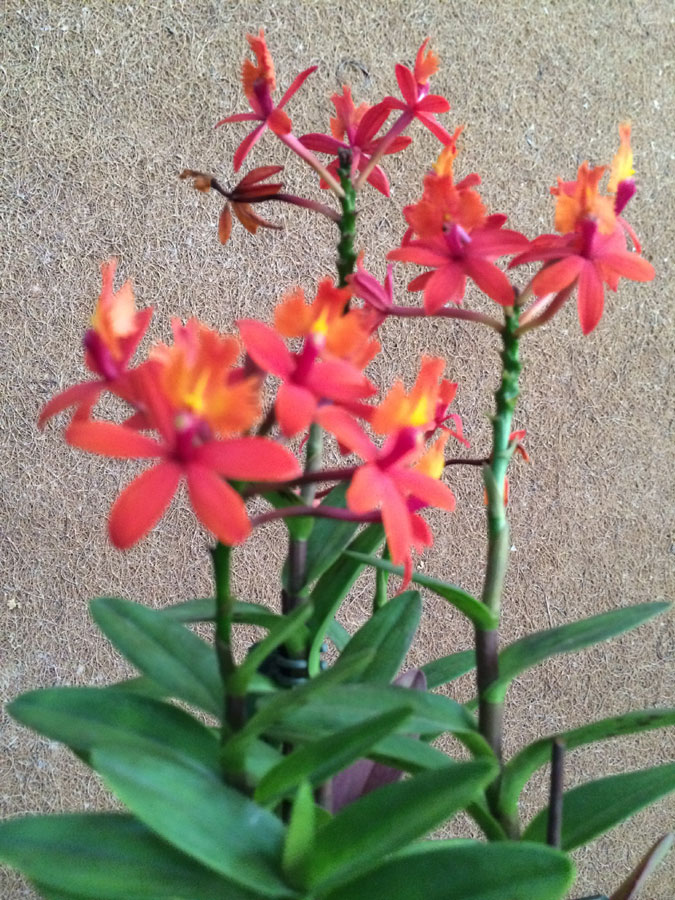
(487, 641)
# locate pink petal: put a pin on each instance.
(425, 488)
(142, 504)
(446, 285)
(217, 505)
(433, 104)
(249, 459)
(628, 265)
(296, 84)
(407, 84)
(590, 298)
(237, 117)
(379, 181)
(295, 408)
(418, 253)
(348, 432)
(437, 130)
(557, 276)
(322, 143)
(109, 439)
(265, 347)
(85, 394)
(491, 280)
(373, 119)
(249, 141)
(259, 174)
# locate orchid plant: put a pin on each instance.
(279, 775)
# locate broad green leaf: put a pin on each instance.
(142, 685)
(534, 648)
(593, 808)
(193, 809)
(338, 635)
(329, 537)
(632, 886)
(471, 607)
(346, 705)
(389, 632)
(301, 830)
(203, 609)
(85, 718)
(448, 668)
(521, 767)
(167, 652)
(271, 709)
(108, 857)
(409, 754)
(319, 760)
(334, 585)
(465, 870)
(281, 632)
(388, 819)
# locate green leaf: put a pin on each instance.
(329, 537)
(338, 635)
(167, 652)
(475, 610)
(593, 808)
(85, 718)
(193, 809)
(282, 630)
(389, 818)
(301, 830)
(271, 709)
(203, 609)
(142, 685)
(465, 870)
(107, 857)
(534, 648)
(334, 585)
(521, 767)
(319, 760)
(389, 632)
(448, 668)
(299, 527)
(409, 754)
(632, 886)
(346, 705)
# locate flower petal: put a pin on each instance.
(81, 395)
(295, 408)
(249, 459)
(557, 276)
(446, 285)
(590, 298)
(225, 224)
(348, 432)
(249, 141)
(217, 505)
(142, 504)
(491, 280)
(628, 265)
(109, 439)
(423, 487)
(296, 84)
(265, 347)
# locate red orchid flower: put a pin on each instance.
(592, 249)
(354, 128)
(379, 298)
(390, 483)
(259, 82)
(185, 449)
(115, 333)
(307, 380)
(457, 240)
(417, 102)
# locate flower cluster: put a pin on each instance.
(195, 405)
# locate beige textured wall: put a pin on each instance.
(103, 104)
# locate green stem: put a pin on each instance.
(381, 582)
(234, 714)
(346, 253)
(490, 715)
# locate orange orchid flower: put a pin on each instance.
(335, 334)
(592, 250)
(115, 333)
(396, 480)
(307, 379)
(355, 128)
(456, 238)
(259, 82)
(186, 449)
